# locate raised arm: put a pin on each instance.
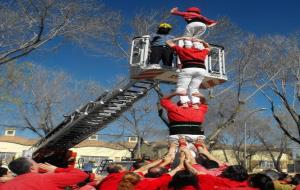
(199, 144)
(175, 11)
(170, 155)
(180, 166)
(201, 96)
(172, 43)
(144, 169)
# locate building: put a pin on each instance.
(12, 146)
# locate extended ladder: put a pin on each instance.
(89, 119)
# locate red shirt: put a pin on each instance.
(190, 16)
(209, 182)
(54, 181)
(180, 114)
(191, 54)
(160, 183)
(298, 187)
(111, 181)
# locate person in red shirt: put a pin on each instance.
(184, 121)
(5, 176)
(132, 181)
(192, 68)
(28, 177)
(197, 23)
(112, 180)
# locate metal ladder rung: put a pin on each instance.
(109, 111)
(143, 87)
(114, 108)
(135, 92)
(105, 114)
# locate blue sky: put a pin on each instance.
(261, 17)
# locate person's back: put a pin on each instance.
(30, 181)
(184, 114)
(29, 178)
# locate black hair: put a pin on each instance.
(205, 162)
(20, 166)
(163, 30)
(282, 175)
(138, 164)
(271, 174)
(113, 168)
(296, 179)
(3, 171)
(155, 172)
(184, 178)
(261, 181)
(235, 172)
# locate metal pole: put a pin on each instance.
(245, 133)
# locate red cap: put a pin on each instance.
(194, 10)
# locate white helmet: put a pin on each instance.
(188, 43)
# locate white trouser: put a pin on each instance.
(189, 80)
(189, 137)
(195, 29)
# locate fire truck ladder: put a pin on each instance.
(91, 118)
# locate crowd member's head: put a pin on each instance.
(183, 179)
(282, 176)
(139, 163)
(164, 28)
(155, 172)
(296, 179)
(129, 181)
(114, 168)
(261, 181)
(3, 171)
(23, 165)
(271, 174)
(235, 172)
(5, 175)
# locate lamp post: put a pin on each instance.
(245, 132)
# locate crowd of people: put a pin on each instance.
(179, 169)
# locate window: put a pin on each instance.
(7, 156)
(132, 139)
(96, 159)
(93, 137)
(266, 164)
(10, 132)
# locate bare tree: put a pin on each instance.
(139, 121)
(275, 147)
(46, 95)
(28, 25)
(280, 69)
(231, 99)
(10, 75)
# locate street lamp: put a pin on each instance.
(245, 132)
